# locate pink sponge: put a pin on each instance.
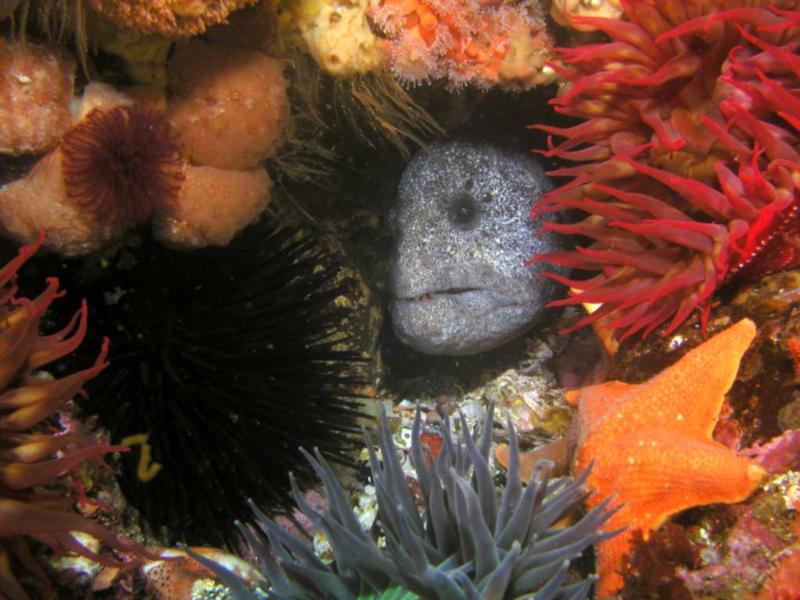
(228, 105)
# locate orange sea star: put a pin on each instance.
(652, 445)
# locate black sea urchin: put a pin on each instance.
(469, 543)
(119, 163)
(223, 362)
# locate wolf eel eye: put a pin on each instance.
(463, 212)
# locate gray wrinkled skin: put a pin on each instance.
(462, 236)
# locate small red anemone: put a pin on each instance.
(36, 453)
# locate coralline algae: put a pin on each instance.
(462, 235)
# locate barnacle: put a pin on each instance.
(463, 545)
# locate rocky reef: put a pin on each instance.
(297, 220)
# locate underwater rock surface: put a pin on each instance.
(462, 235)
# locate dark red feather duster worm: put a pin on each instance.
(691, 158)
(119, 163)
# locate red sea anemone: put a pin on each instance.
(34, 450)
(119, 163)
(691, 157)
